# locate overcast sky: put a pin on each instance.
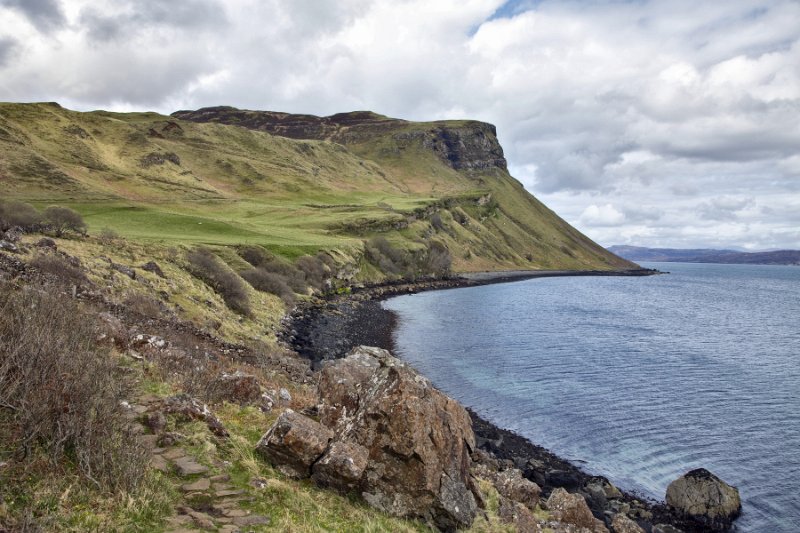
(658, 123)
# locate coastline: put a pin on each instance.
(328, 328)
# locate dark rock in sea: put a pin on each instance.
(419, 440)
(294, 443)
(705, 497)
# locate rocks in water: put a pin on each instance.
(572, 509)
(418, 440)
(623, 524)
(706, 498)
(294, 443)
(238, 387)
(342, 466)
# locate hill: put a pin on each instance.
(673, 255)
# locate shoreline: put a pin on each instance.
(328, 328)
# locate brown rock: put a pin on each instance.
(294, 443)
(199, 485)
(193, 409)
(237, 387)
(705, 497)
(623, 524)
(513, 486)
(341, 467)
(572, 509)
(418, 440)
(517, 514)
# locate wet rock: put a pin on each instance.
(237, 387)
(294, 443)
(572, 509)
(418, 440)
(623, 524)
(705, 497)
(342, 466)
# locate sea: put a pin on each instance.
(638, 379)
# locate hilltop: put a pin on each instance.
(707, 255)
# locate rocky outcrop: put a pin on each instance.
(706, 498)
(236, 387)
(418, 440)
(623, 524)
(462, 145)
(294, 443)
(342, 467)
(572, 509)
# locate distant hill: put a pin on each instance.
(705, 255)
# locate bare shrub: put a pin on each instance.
(62, 392)
(143, 304)
(63, 219)
(18, 214)
(60, 269)
(108, 236)
(295, 278)
(436, 222)
(433, 260)
(255, 255)
(314, 270)
(270, 282)
(205, 266)
(438, 260)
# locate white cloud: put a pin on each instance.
(654, 108)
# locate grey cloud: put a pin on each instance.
(141, 15)
(7, 47)
(45, 15)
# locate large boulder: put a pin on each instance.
(623, 524)
(572, 509)
(342, 467)
(294, 443)
(705, 497)
(418, 440)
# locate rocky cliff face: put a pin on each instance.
(462, 145)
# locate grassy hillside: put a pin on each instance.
(159, 179)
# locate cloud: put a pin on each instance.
(602, 215)
(45, 15)
(654, 107)
(7, 47)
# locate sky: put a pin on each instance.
(668, 123)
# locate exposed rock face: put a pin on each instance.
(418, 440)
(705, 497)
(513, 486)
(572, 509)
(342, 466)
(463, 145)
(238, 387)
(294, 443)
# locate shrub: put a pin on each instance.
(433, 260)
(437, 260)
(18, 214)
(108, 236)
(295, 278)
(61, 392)
(314, 270)
(436, 222)
(63, 219)
(270, 282)
(204, 265)
(255, 255)
(143, 304)
(59, 268)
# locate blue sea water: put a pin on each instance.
(636, 379)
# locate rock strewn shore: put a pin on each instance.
(328, 329)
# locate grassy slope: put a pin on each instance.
(236, 186)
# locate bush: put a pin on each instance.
(314, 270)
(143, 304)
(295, 278)
(19, 214)
(437, 259)
(204, 265)
(270, 282)
(63, 219)
(60, 269)
(255, 255)
(436, 222)
(61, 392)
(434, 260)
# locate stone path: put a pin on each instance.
(209, 502)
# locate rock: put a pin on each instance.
(191, 408)
(188, 466)
(156, 421)
(623, 524)
(665, 528)
(199, 485)
(284, 395)
(113, 330)
(152, 266)
(8, 246)
(238, 387)
(128, 271)
(142, 340)
(572, 509)
(294, 443)
(418, 440)
(705, 497)
(341, 467)
(267, 403)
(46, 242)
(513, 486)
(13, 234)
(517, 514)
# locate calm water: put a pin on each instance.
(638, 379)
